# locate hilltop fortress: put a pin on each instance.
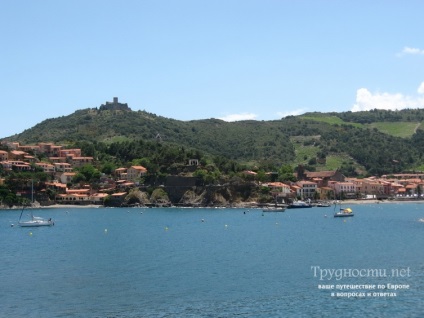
(115, 105)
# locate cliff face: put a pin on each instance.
(231, 195)
(198, 196)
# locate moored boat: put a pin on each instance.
(34, 221)
(299, 204)
(274, 209)
(323, 204)
(347, 212)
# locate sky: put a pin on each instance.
(226, 59)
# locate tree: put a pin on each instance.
(286, 173)
(51, 193)
(262, 177)
(108, 168)
(312, 161)
(78, 178)
(88, 172)
(7, 197)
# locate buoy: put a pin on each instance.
(203, 220)
(166, 228)
(30, 233)
(226, 225)
(105, 230)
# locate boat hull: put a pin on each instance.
(35, 223)
(343, 215)
(274, 210)
(323, 205)
(299, 206)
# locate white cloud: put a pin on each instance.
(238, 117)
(365, 100)
(291, 113)
(411, 51)
(421, 88)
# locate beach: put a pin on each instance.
(246, 205)
(375, 201)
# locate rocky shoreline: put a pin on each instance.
(244, 205)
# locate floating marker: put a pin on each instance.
(105, 230)
(30, 233)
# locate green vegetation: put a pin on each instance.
(397, 129)
(332, 120)
(369, 143)
(358, 144)
(304, 151)
(333, 162)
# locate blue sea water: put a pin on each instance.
(99, 262)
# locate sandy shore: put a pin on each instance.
(240, 205)
(248, 204)
(68, 206)
(372, 201)
(54, 206)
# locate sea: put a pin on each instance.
(211, 262)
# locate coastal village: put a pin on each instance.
(60, 164)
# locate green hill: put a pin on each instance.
(375, 142)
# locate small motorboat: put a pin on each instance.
(299, 204)
(344, 213)
(323, 204)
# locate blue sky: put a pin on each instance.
(259, 59)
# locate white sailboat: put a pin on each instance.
(34, 221)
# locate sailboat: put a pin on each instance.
(34, 221)
(343, 212)
(276, 208)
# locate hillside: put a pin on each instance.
(375, 142)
